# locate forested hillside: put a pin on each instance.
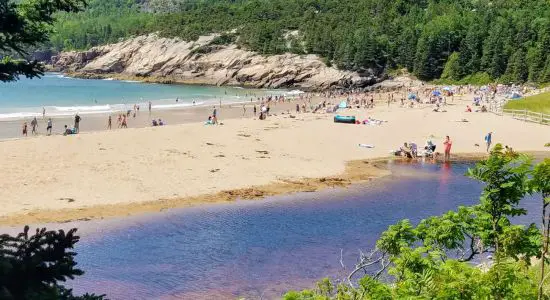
(505, 40)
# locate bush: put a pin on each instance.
(32, 267)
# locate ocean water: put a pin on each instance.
(62, 96)
(260, 249)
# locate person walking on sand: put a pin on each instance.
(25, 128)
(49, 127)
(214, 113)
(150, 106)
(109, 123)
(43, 112)
(77, 123)
(244, 110)
(255, 110)
(34, 125)
(124, 122)
(489, 140)
(447, 144)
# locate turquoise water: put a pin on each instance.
(61, 95)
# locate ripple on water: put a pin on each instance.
(260, 248)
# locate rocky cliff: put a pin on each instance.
(153, 58)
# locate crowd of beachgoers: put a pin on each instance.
(412, 94)
(263, 140)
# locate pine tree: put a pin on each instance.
(535, 61)
(517, 67)
(545, 76)
(406, 48)
(471, 50)
(495, 57)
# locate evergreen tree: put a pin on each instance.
(32, 267)
(545, 76)
(471, 50)
(535, 61)
(517, 70)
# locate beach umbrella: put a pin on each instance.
(436, 93)
(412, 96)
(447, 88)
(516, 96)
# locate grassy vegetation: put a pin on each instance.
(537, 103)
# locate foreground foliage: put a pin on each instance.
(32, 267)
(470, 40)
(445, 257)
(23, 25)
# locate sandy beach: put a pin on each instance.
(101, 174)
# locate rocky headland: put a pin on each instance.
(168, 60)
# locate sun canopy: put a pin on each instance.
(343, 104)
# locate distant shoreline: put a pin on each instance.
(10, 129)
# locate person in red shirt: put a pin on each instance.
(447, 145)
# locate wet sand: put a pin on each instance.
(11, 129)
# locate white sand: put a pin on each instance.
(146, 164)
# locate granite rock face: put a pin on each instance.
(204, 62)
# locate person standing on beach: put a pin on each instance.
(34, 125)
(109, 123)
(25, 128)
(244, 110)
(489, 140)
(150, 105)
(77, 123)
(43, 112)
(214, 112)
(255, 110)
(447, 145)
(49, 127)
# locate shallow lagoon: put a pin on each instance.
(261, 248)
